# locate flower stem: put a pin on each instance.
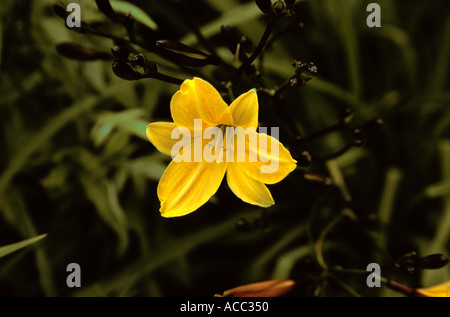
(406, 290)
(164, 77)
(320, 241)
(262, 42)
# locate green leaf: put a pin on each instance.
(235, 16)
(104, 195)
(137, 13)
(438, 189)
(286, 262)
(127, 121)
(7, 249)
(149, 167)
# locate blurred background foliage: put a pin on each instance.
(78, 178)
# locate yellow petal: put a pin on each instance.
(246, 188)
(266, 159)
(160, 135)
(185, 186)
(245, 110)
(198, 99)
(441, 290)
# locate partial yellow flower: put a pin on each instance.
(441, 290)
(271, 288)
(188, 184)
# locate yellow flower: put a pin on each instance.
(441, 290)
(188, 184)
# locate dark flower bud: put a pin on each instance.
(79, 52)
(105, 7)
(246, 44)
(140, 60)
(61, 10)
(125, 71)
(279, 7)
(433, 261)
(85, 28)
(121, 53)
(231, 37)
(265, 6)
(410, 262)
(185, 55)
(290, 11)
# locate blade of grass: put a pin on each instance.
(387, 201)
(15, 211)
(10, 248)
(442, 66)
(346, 11)
(237, 15)
(440, 240)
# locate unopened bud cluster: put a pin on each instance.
(126, 65)
(303, 73)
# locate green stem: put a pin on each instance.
(281, 89)
(357, 271)
(320, 241)
(344, 285)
